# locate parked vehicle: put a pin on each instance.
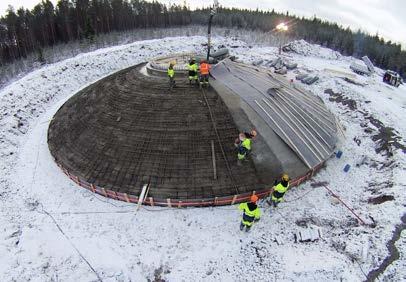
(392, 78)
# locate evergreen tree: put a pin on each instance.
(27, 31)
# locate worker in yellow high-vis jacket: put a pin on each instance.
(193, 71)
(251, 213)
(243, 144)
(171, 75)
(279, 190)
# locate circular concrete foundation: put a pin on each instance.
(128, 130)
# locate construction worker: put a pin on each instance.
(204, 72)
(193, 69)
(171, 76)
(243, 144)
(279, 190)
(251, 213)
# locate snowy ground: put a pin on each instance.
(53, 230)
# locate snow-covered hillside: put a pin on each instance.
(53, 230)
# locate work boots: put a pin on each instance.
(247, 228)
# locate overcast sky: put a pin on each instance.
(388, 17)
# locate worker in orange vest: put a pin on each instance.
(204, 72)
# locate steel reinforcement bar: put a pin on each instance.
(216, 201)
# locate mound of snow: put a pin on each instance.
(313, 50)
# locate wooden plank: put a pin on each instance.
(213, 156)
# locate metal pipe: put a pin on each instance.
(212, 13)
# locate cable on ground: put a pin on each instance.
(43, 211)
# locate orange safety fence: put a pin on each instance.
(216, 201)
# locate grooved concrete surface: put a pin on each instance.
(128, 129)
(297, 117)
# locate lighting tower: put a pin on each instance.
(282, 28)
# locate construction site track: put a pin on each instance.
(128, 130)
